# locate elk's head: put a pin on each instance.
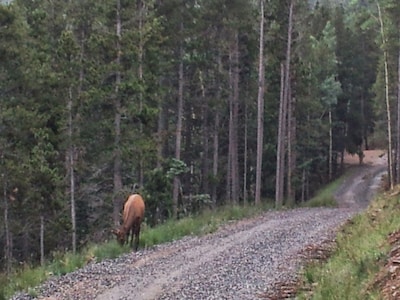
(120, 236)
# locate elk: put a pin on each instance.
(132, 218)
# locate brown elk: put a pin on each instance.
(132, 218)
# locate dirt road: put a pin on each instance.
(242, 260)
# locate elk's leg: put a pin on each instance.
(127, 236)
(130, 233)
(136, 233)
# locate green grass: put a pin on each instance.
(361, 250)
(204, 223)
(207, 222)
(325, 197)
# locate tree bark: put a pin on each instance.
(283, 115)
(141, 8)
(71, 170)
(117, 201)
(7, 250)
(178, 134)
(280, 152)
(292, 155)
(260, 107)
(387, 99)
(215, 160)
(42, 260)
(245, 154)
(161, 132)
(234, 119)
(216, 140)
(398, 120)
(205, 137)
(330, 145)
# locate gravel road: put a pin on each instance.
(242, 260)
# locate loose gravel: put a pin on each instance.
(242, 260)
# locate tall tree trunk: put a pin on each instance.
(398, 121)
(161, 132)
(117, 202)
(389, 128)
(7, 250)
(292, 155)
(280, 152)
(229, 171)
(283, 115)
(215, 160)
(42, 240)
(178, 134)
(216, 139)
(245, 154)
(71, 170)
(234, 120)
(205, 135)
(330, 154)
(141, 8)
(303, 186)
(260, 107)
(229, 158)
(286, 97)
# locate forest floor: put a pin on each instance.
(258, 258)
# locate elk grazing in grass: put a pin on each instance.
(132, 218)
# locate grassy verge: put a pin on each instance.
(325, 197)
(209, 221)
(362, 249)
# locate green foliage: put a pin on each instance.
(176, 168)
(158, 187)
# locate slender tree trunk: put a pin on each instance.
(292, 155)
(235, 120)
(141, 8)
(42, 240)
(303, 186)
(245, 154)
(161, 132)
(398, 121)
(284, 121)
(330, 145)
(260, 107)
(389, 128)
(178, 134)
(280, 152)
(229, 171)
(215, 160)
(71, 170)
(7, 250)
(117, 202)
(216, 139)
(205, 135)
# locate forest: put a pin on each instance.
(194, 104)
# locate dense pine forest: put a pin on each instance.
(194, 104)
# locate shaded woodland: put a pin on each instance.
(194, 104)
